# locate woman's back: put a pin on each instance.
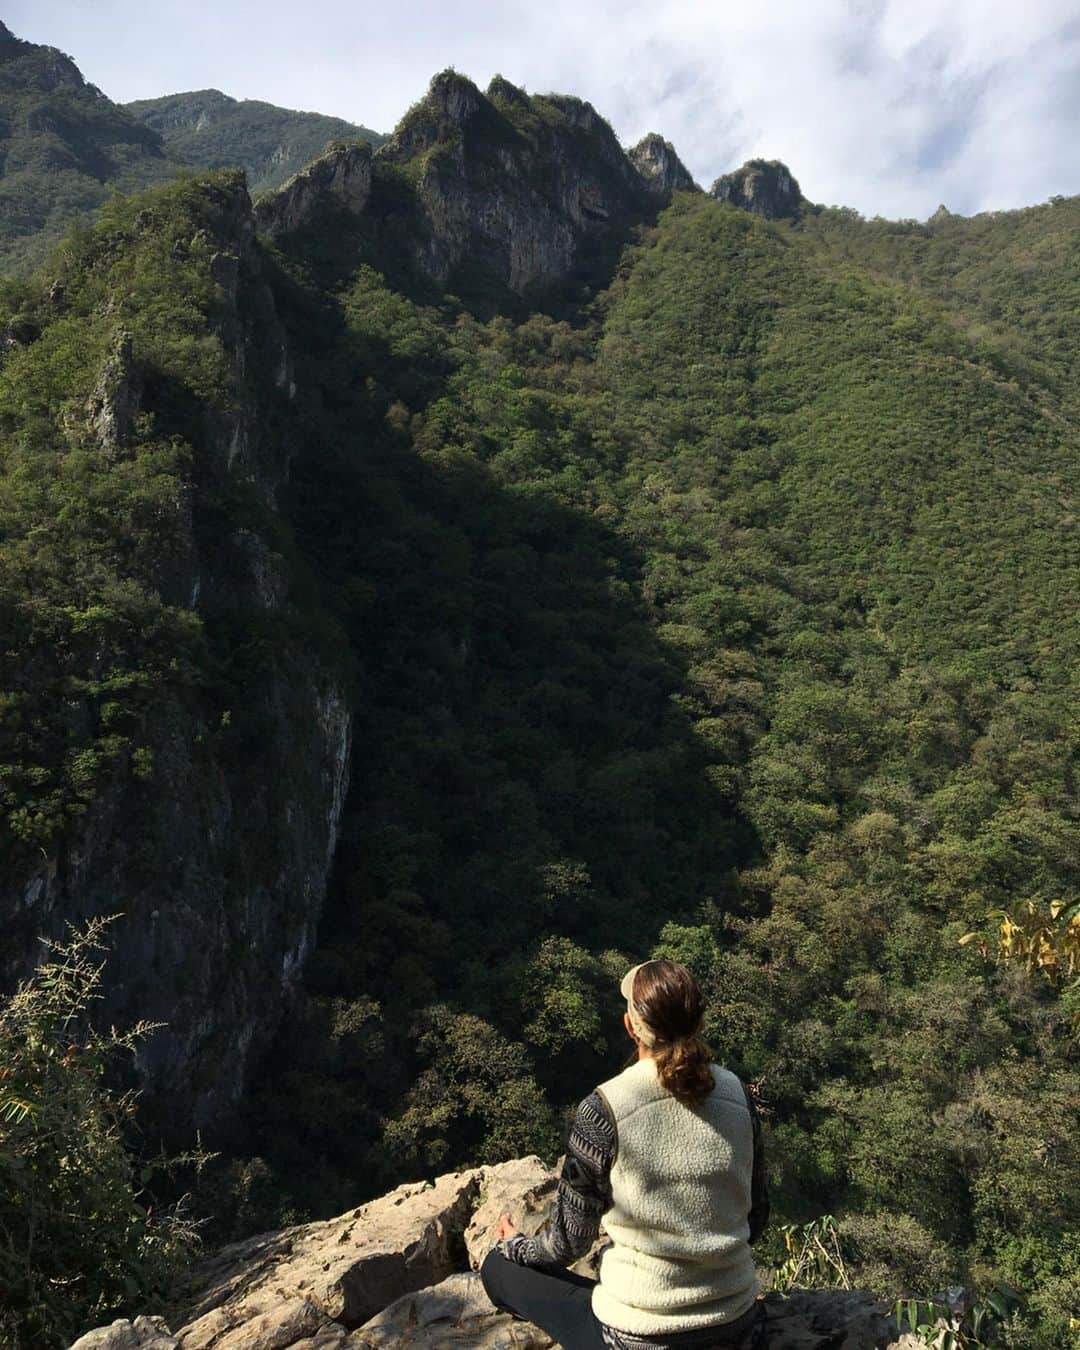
(680, 1200)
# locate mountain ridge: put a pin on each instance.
(215, 131)
(467, 572)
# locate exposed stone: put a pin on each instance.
(145, 1333)
(393, 1274)
(500, 88)
(523, 1189)
(764, 186)
(660, 166)
(827, 1319)
(341, 177)
(243, 1327)
(456, 1312)
(213, 935)
(116, 397)
(513, 187)
(343, 1270)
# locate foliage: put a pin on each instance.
(813, 1258)
(80, 1237)
(64, 148)
(943, 1328)
(208, 129)
(727, 615)
(1042, 938)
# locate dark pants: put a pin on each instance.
(560, 1302)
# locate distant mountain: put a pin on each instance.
(208, 128)
(63, 148)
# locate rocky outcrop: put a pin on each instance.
(660, 167)
(764, 186)
(341, 177)
(508, 189)
(215, 850)
(493, 191)
(401, 1272)
(115, 401)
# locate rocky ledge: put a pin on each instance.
(401, 1272)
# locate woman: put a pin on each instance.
(668, 1155)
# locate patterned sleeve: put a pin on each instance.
(584, 1193)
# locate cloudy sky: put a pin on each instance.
(890, 106)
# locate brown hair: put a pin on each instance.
(669, 1001)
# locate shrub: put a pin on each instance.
(77, 1246)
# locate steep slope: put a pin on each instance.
(175, 737)
(1008, 278)
(63, 148)
(495, 198)
(845, 526)
(270, 144)
(718, 608)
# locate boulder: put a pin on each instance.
(456, 1312)
(523, 1189)
(274, 1290)
(827, 1319)
(145, 1333)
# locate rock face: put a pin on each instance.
(764, 186)
(491, 192)
(216, 857)
(117, 397)
(661, 168)
(394, 1273)
(341, 177)
(510, 185)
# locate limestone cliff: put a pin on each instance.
(215, 847)
(764, 186)
(342, 176)
(660, 166)
(486, 193)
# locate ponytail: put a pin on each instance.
(667, 998)
(684, 1068)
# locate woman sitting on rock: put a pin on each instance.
(667, 1155)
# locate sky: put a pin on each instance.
(889, 106)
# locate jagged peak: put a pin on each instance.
(942, 213)
(502, 91)
(578, 111)
(451, 102)
(341, 175)
(48, 67)
(454, 95)
(660, 166)
(767, 187)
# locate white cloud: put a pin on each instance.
(886, 105)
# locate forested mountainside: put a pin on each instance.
(65, 147)
(214, 131)
(611, 571)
